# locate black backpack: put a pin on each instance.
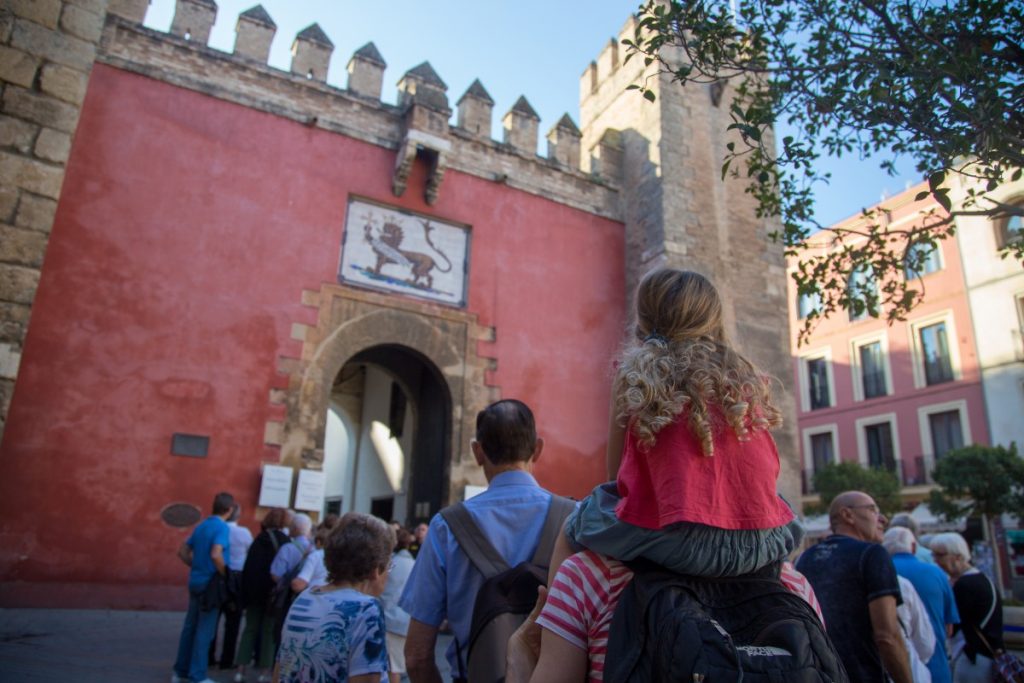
(669, 627)
(507, 594)
(282, 596)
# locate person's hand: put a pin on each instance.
(524, 644)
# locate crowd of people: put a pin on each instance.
(293, 570)
(692, 471)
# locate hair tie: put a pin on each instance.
(654, 336)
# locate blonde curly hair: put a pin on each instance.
(681, 361)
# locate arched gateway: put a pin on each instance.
(383, 400)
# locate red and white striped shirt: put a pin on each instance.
(581, 604)
(582, 599)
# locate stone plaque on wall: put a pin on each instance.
(400, 251)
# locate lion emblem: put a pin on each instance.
(386, 243)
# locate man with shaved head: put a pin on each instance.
(856, 584)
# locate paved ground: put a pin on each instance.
(93, 646)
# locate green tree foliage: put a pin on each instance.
(979, 480)
(881, 485)
(941, 83)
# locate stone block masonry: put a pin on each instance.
(47, 49)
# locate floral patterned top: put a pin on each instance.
(330, 635)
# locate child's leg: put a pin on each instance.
(693, 549)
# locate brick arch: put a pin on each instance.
(350, 321)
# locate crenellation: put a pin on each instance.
(608, 60)
(521, 126)
(588, 81)
(475, 110)
(193, 20)
(422, 85)
(366, 72)
(133, 11)
(147, 52)
(564, 142)
(254, 33)
(311, 53)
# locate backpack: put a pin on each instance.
(282, 596)
(670, 627)
(507, 595)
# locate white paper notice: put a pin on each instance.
(309, 495)
(276, 488)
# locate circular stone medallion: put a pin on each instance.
(180, 514)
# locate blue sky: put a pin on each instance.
(529, 47)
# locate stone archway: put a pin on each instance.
(350, 321)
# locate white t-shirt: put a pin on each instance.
(239, 540)
(313, 571)
(917, 631)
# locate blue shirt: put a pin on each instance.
(210, 532)
(444, 583)
(332, 635)
(937, 597)
(289, 556)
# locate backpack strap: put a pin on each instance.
(558, 510)
(473, 542)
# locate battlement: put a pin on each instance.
(418, 123)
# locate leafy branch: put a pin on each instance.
(940, 83)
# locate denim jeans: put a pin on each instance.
(196, 634)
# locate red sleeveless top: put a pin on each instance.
(674, 481)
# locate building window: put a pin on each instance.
(872, 370)
(818, 384)
(878, 444)
(921, 259)
(946, 432)
(820, 449)
(807, 304)
(860, 286)
(938, 366)
(1009, 230)
(823, 452)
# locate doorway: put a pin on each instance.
(388, 432)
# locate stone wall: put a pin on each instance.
(47, 48)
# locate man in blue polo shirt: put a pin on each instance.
(204, 552)
(511, 513)
(932, 585)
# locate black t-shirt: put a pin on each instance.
(847, 574)
(980, 609)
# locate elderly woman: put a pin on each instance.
(335, 633)
(979, 636)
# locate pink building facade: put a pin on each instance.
(895, 396)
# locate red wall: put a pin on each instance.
(187, 229)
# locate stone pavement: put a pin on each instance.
(95, 646)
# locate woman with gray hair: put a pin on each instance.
(979, 637)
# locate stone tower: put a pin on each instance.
(666, 158)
